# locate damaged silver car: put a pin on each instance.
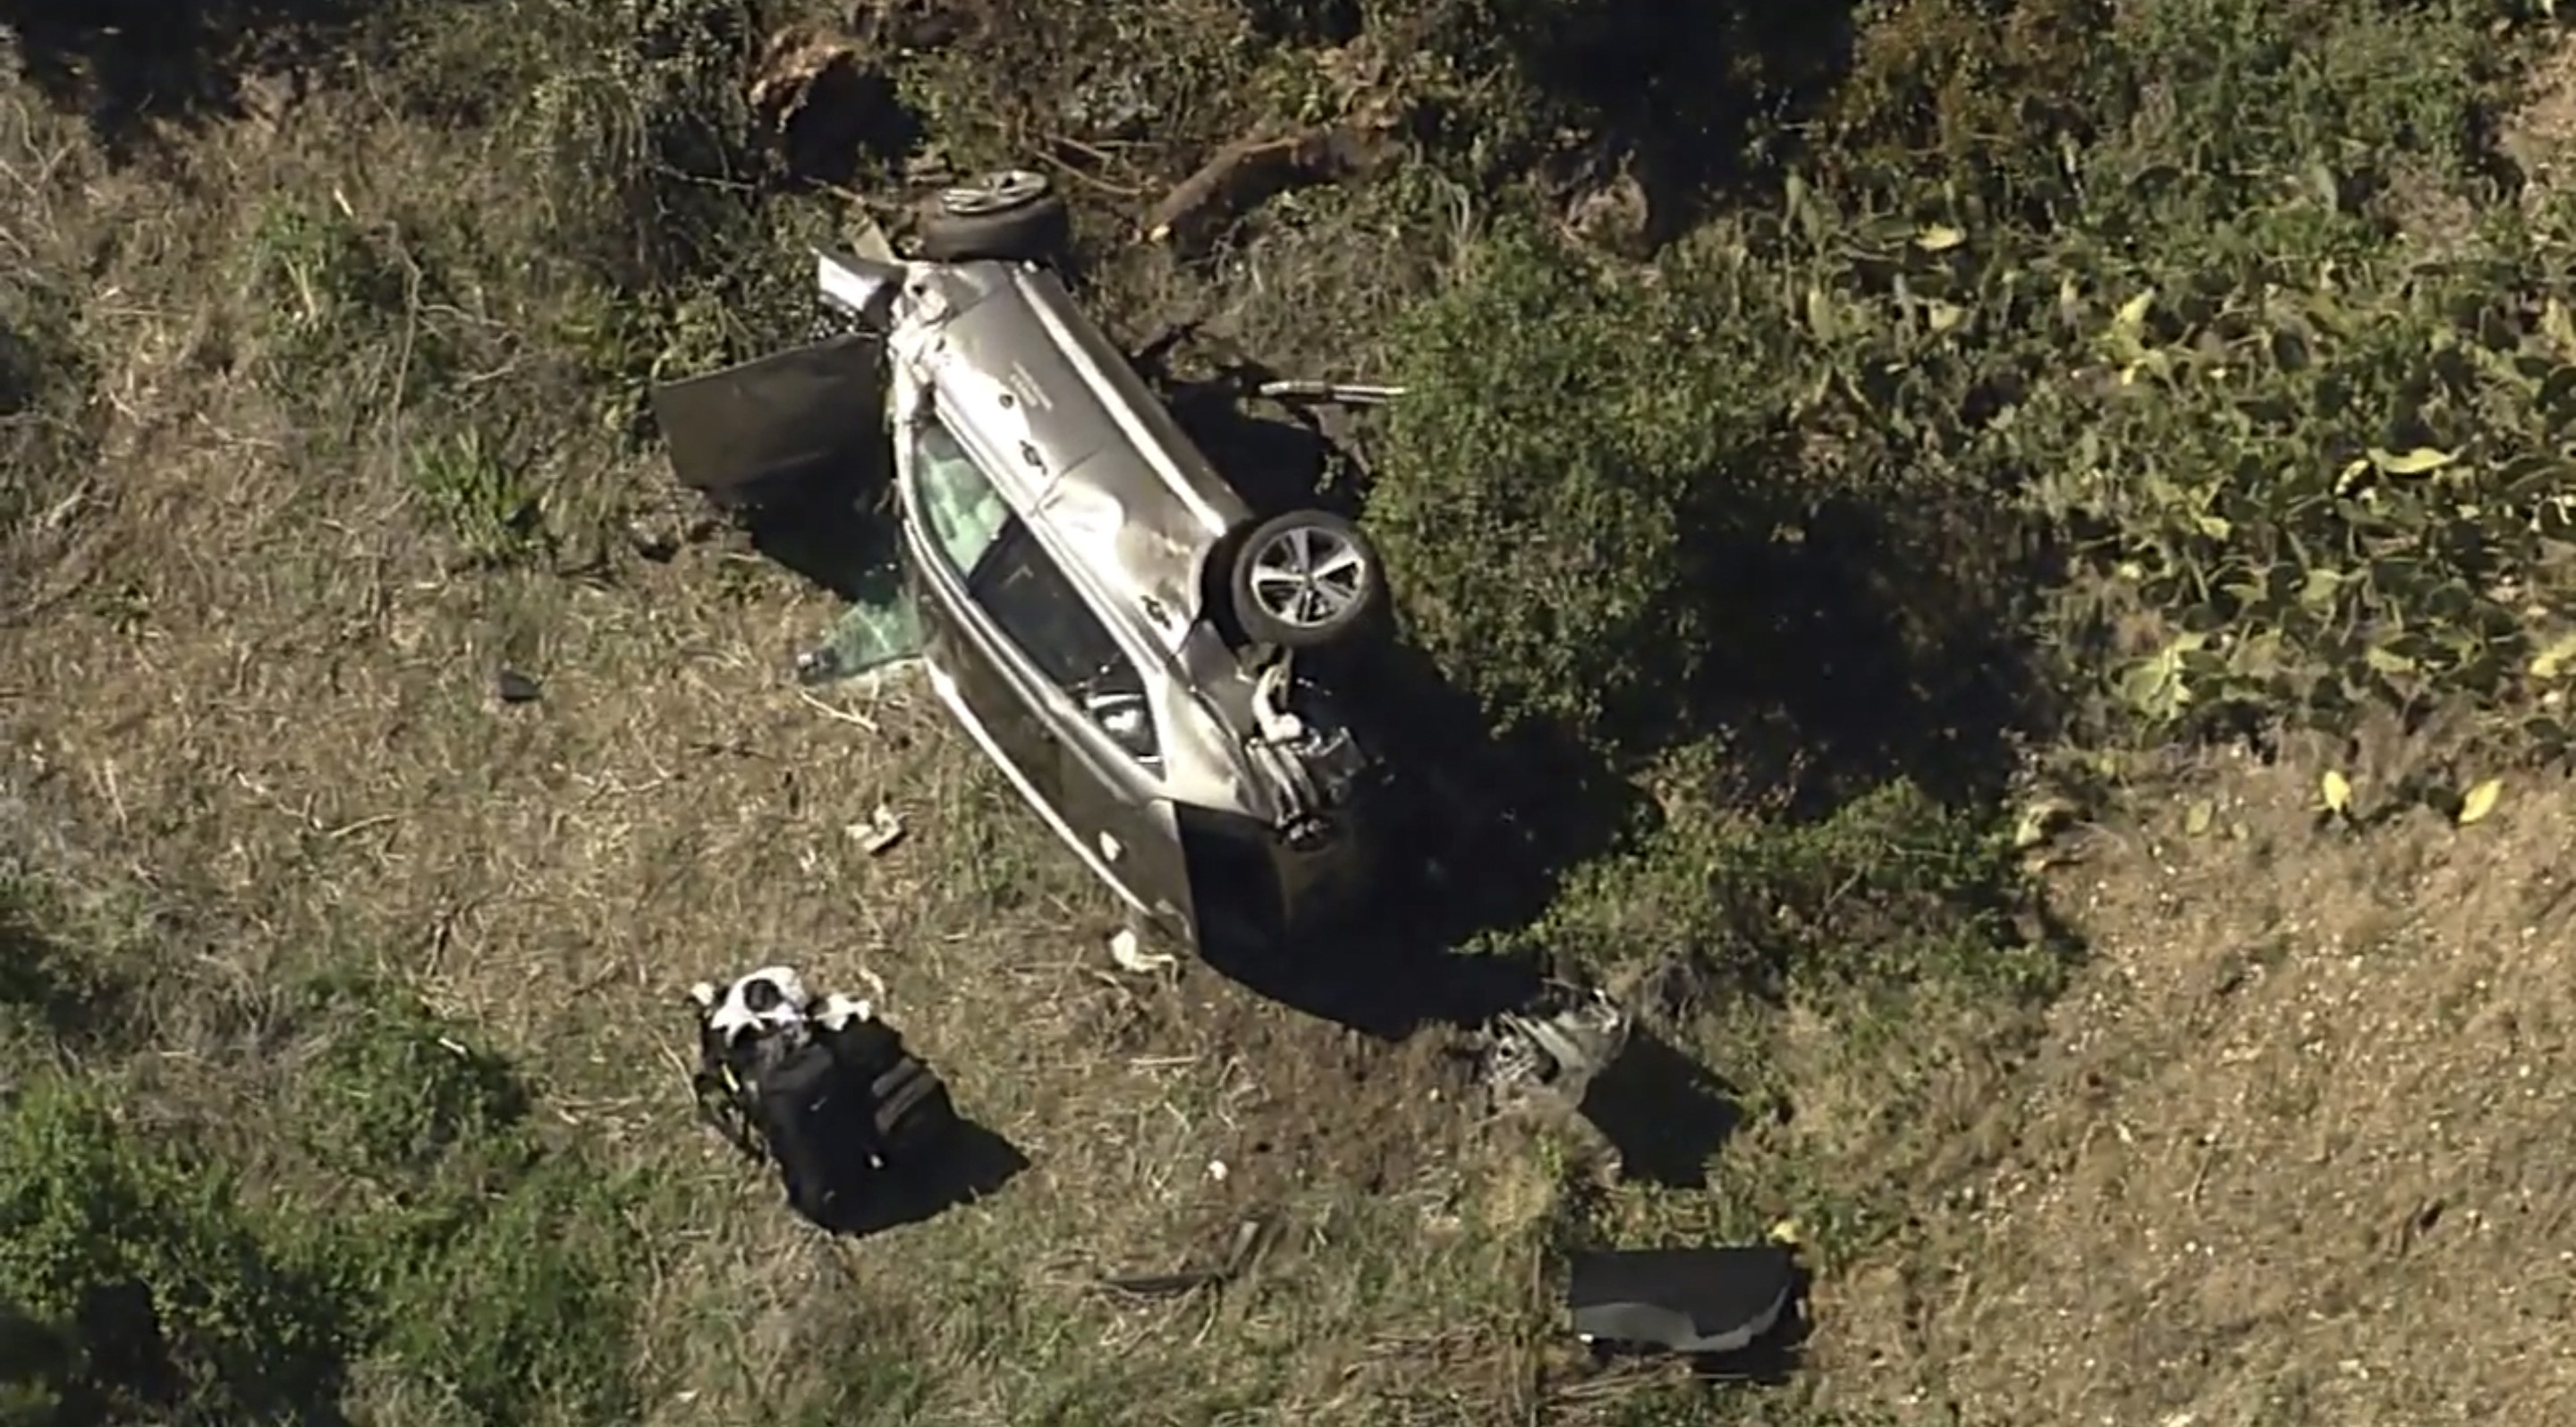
(1105, 614)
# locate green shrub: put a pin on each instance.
(144, 1252)
(1557, 466)
(492, 1271)
(1987, 89)
(406, 1215)
(1889, 891)
(2321, 457)
(2292, 461)
(527, 1314)
(396, 1091)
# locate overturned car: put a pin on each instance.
(1109, 618)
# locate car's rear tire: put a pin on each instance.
(1009, 216)
(1306, 579)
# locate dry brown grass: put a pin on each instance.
(261, 681)
(2289, 1153)
(2284, 1156)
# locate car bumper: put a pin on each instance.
(1250, 887)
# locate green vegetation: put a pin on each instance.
(402, 1211)
(2023, 388)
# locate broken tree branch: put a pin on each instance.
(1251, 171)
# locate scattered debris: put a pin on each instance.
(1131, 956)
(1706, 1302)
(1250, 172)
(869, 637)
(1248, 1237)
(1342, 393)
(517, 688)
(1554, 1048)
(879, 834)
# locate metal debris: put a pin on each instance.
(1131, 956)
(1554, 1048)
(879, 834)
(1248, 1238)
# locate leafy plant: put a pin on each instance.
(480, 494)
(143, 1252)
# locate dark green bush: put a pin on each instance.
(527, 1314)
(1989, 90)
(1569, 438)
(143, 1251)
(397, 1092)
(1890, 891)
(425, 1228)
(493, 1270)
(2297, 454)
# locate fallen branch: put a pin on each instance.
(1250, 172)
(1246, 1247)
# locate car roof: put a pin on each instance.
(1106, 474)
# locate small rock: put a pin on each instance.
(517, 688)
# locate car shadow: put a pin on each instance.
(1666, 1114)
(1478, 828)
(1278, 460)
(1477, 832)
(976, 1163)
(837, 530)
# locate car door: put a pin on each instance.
(1113, 796)
(1039, 677)
(955, 521)
(792, 415)
(1106, 792)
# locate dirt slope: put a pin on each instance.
(2296, 1151)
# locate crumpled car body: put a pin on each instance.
(1065, 544)
(1552, 1049)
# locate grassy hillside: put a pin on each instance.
(1985, 552)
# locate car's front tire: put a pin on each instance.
(1306, 579)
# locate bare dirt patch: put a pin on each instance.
(2292, 1151)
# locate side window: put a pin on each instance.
(965, 514)
(1026, 595)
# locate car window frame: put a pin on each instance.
(1016, 535)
